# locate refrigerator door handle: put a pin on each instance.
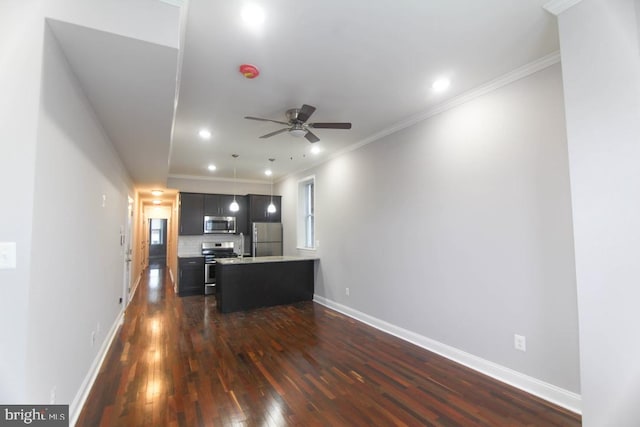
(255, 238)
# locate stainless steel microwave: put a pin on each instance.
(219, 224)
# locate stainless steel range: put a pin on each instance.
(212, 251)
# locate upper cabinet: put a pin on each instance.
(253, 208)
(258, 208)
(218, 205)
(191, 214)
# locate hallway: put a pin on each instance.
(178, 362)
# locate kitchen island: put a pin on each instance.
(252, 282)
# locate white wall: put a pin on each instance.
(459, 229)
(59, 295)
(211, 186)
(601, 70)
(21, 34)
(77, 263)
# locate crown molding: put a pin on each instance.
(556, 7)
(505, 79)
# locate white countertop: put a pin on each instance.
(263, 259)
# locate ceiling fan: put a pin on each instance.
(298, 126)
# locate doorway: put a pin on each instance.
(157, 242)
(128, 253)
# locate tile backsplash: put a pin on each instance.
(192, 245)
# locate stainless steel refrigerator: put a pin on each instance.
(267, 239)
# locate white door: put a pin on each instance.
(126, 238)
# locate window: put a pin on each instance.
(306, 213)
(156, 232)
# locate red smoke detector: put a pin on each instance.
(249, 71)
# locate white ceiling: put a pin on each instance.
(368, 63)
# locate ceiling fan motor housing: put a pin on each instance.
(298, 126)
(292, 115)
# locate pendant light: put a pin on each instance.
(271, 208)
(234, 206)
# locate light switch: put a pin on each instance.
(7, 255)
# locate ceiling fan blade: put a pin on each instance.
(311, 137)
(305, 112)
(329, 125)
(266, 120)
(275, 133)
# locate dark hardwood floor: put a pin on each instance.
(178, 362)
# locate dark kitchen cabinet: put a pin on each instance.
(218, 205)
(191, 214)
(190, 276)
(264, 284)
(258, 205)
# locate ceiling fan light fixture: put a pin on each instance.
(298, 132)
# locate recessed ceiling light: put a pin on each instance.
(441, 85)
(211, 167)
(253, 15)
(268, 172)
(205, 134)
(315, 149)
(156, 202)
(157, 192)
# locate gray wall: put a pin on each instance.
(459, 229)
(55, 164)
(601, 67)
(77, 264)
(21, 32)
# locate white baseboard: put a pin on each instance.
(549, 392)
(81, 397)
(135, 287)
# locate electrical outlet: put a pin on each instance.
(52, 396)
(520, 342)
(346, 291)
